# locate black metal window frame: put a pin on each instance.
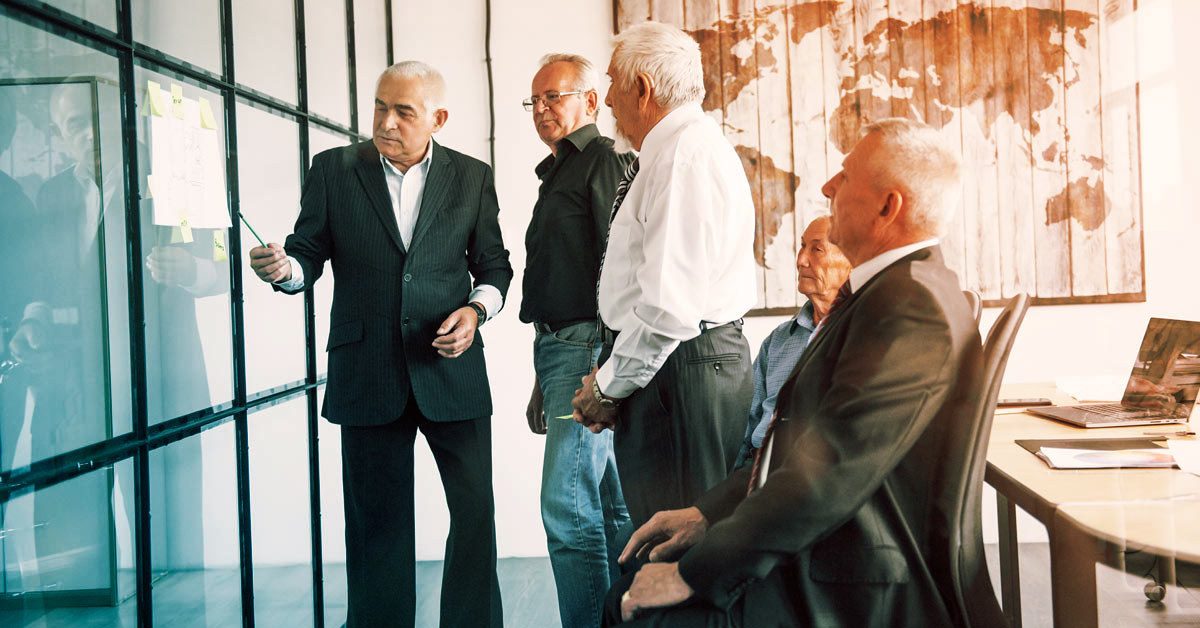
(144, 438)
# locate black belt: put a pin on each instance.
(549, 328)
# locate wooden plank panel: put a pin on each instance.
(631, 12)
(906, 32)
(838, 63)
(943, 97)
(1122, 167)
(1086, 197)
(1013, 160)
(874, 63)
(809, 92)
(980, 201)
(702, 23)
(778, 203)
(1047, 111)
(667, 11)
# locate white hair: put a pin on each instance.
(431, 80)
(586, 77)
(917, 160)
(667, 55)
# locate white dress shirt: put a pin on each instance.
(680, 250)
(406, 189)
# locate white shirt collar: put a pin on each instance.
(423, 164)
(863, 273)
(672, 122)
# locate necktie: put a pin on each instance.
(622, 188)
(843, 293)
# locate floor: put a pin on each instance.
(194, 599)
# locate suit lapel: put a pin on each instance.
(370, 174)
(437, 183)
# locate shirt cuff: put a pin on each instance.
(489, 297)
(297, 281)
(607, 380)
(206, 277)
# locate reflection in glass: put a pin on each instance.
(67, 553)
(269, 172)
(62, 228)
(99, 12)
(1166, 377)
(280, 513)
(194, 549)
(187, 30)
(370, 56)
(189, 354)
(328, 61)
(273, 73)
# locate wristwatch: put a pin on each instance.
(479, 313)
(605, 402)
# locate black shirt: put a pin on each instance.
(569, 228)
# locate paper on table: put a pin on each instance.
(1065, 458)
(1093, 387)
(1187, 454)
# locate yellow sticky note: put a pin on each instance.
(185, 229)
(206, 115)
(176, 235)
(152, 94)
(219, 253)
(149, 186)
(177, 100)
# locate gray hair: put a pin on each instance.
(431, 80)
(917, 160)
(586, 77)
(667, 55)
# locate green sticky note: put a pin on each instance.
(176, 235)
(177, 100)
(185, 229)
(219, 253)
(149, 186)
(206, 115)
(152, 94)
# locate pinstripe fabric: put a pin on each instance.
(388, 301)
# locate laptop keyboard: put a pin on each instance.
(1117, 411)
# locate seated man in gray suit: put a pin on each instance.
(831, 524)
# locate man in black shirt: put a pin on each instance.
(582, 506)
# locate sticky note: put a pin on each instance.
(206, 115)
(219, 253)
(176, 235)
(152, 94)
(149, 186)
(177, 100)
(185, 229)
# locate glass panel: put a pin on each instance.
(188, 30)
(320, 141)
(264, 44)
(333, 520)
(194, 549)
(370, 56)
(280, 512)
(269, 175)
(99, 12)
(64, 362)
(68, 553)
(328, 63)
(185, 268)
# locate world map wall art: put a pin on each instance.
(1041, 96)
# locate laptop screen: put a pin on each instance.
(1166, 375)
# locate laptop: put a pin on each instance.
(1162, 387)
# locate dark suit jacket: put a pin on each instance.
(387, 301)
(842, 532)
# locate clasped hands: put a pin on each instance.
(663, 538)
(588, 411)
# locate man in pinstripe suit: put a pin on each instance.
(406, 224)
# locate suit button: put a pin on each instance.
(407, 277)
(405, 321)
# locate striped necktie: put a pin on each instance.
(622, 188)
(843, 293)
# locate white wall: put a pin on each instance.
(1054, 341)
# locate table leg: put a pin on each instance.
(1073, 558)
(1010, 562)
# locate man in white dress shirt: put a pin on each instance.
(677, 276)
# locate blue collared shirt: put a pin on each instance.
(776, 358)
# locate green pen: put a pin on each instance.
(247, 223)
(565, 416)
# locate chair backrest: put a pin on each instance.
(975, 302)
(973, 588)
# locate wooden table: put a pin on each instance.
(1090, 515)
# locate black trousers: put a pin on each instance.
(377, 477)
(679, 436)
(690, 614)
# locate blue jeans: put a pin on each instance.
(582, 506)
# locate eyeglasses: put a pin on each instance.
(549, 99)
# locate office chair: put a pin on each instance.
(966, 448)
(976, 303)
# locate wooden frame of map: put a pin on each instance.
(1042, 96)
